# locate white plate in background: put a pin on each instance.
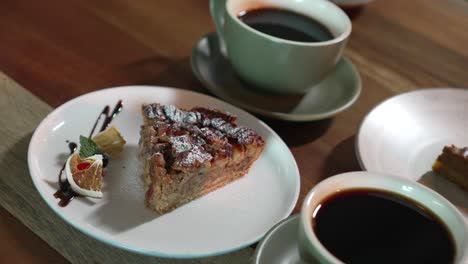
(404, 135)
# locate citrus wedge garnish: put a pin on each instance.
(85, 175)
(109, 141)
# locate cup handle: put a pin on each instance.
(217, 8)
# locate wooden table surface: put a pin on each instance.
(61, 49)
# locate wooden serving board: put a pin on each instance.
(20, 113)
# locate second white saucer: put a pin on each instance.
(280, 245)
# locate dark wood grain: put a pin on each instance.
(61, 49)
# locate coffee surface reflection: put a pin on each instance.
(286, 25)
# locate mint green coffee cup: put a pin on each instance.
(278, 65)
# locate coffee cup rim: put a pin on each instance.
(336, 39)
(307, 212)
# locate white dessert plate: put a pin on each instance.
(336, 93)
(405, 134)
(280, 244)
(227, 219)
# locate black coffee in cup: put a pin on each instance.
(375, 226)
(285, 24)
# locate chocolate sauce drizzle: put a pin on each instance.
(107, 117)
(72, 146)
(65, 192)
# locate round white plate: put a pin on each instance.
(405, 134)
(229, 218)
(280, 244)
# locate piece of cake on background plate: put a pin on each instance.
(453, 165)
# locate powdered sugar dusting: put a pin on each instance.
(196, 136)
(245, 135)
(153, 111)
(173, 113)
(193, 157)
(242, 135)
(180, 143)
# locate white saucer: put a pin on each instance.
(280, 244)
(405, 134)
(333, 95)
(227, 219)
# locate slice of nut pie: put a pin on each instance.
(189, 153)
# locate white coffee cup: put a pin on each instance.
(313, 251)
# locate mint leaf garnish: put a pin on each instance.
(87, 147)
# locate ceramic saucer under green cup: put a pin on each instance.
(337, 92)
